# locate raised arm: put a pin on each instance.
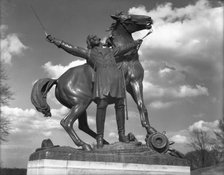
(76, 51)
(119, 51)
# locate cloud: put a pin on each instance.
(159, 104)
(28, 120)
(47, 133)
(91, 120)
(174, 92)
(60, 112)
(113, 135)
(10, 45)
(16, 112)
(179, 139)
(188, 91)
(56, 71)
(188, 39)
(164, 72)
(177, 28)
(204, 126)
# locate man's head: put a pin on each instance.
(92, 41)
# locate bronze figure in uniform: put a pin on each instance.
(109, 79)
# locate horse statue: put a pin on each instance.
(74, 87)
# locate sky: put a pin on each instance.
(182, 59)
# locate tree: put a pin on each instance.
(203, 144)
(5, 96)
(195, 158)
(219, 146)
(220, 135)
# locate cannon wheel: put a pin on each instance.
(158, 142)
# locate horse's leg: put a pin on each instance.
(83, 125)
(135, 88)
(68, 122)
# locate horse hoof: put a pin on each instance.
(87, 147)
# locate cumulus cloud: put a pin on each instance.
(177, 28)
(29, 120)
(164, 72)
(175, 92)
(11, 45)
(159, 104)
(204, 126)
(91, 120)
(60, 112)
(113, 135)
(188, 39)
(56, 71)
(16, 112)
(179, 139)
(188, 91)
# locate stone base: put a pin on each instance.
(117, 158)
(63, 167)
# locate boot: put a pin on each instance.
(100, 120)
(120, 117)
(122, 137)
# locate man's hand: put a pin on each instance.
(50, 38)
(138, 42)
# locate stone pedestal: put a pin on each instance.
(115, 159)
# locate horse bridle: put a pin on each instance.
(150, 30)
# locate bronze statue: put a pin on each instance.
(74, 88)
(108, 86)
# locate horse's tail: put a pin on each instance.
(39, 95)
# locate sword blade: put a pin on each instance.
(38, 19)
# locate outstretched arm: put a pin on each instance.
(76, 51)
(119, 51)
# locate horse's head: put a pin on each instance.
(133, 23)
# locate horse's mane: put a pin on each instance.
(115, 24)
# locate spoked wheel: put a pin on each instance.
(158, 142)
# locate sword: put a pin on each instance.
(38, 19)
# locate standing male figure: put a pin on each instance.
(109, 82)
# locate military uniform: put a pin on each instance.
(108, 78)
